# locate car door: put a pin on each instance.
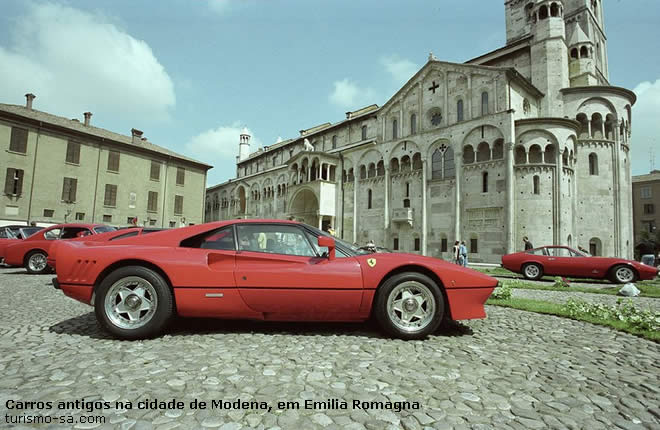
(561, 262)
(279, 273)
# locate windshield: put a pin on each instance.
(348, 246)
(103, 229)
(29, 231)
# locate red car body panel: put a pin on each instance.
(15, 253)
(263, 286)
(580, 266)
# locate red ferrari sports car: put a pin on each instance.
(263, 270)
(12, 234)
(565, 261)
(32, 252)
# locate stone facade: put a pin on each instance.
(527, 140)
(62, 170)
(646, 204)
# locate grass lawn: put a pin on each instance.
(646, 288)
(542, 307)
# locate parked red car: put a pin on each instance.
(11, 234)
(565, 261)
(102, 237)
(32, 252)
(263, 270)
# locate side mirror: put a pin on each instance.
(328, 242)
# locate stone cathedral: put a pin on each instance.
(527, 140)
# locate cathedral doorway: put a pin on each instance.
(305, 207)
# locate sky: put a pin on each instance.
(192, 73)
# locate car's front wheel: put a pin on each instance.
(409, 306)
(623, 274)
(36, 262)
(532, 271)
(133, 302)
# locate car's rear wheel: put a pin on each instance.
(133, 302)
(623, 274)
(532, 271)
(409, 306)
(36, 262)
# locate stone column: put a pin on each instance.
(458, 162)
(387, 197)
(559, 235)
(469, 99)
(510, 215)
(355, 200)
(424, 217)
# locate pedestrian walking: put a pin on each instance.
(456, 253)
(462, 250)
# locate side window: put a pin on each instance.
(274, 239)
(122, 236)
(322, 250)
(221, 239)
(73, 232)
(52, 234)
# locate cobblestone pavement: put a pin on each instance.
(563, 296)
(513, 370)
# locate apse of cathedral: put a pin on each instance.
(530, 139)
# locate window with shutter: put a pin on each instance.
(18, 142)
(155, 171)
(9, 181)
(178, 205)
(73, 152)
(110, 198)
(69, 188)
(152, 203)
(180, 176)
(113, 161)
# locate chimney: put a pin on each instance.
(29, 97)
(88, 118)
(137, 135)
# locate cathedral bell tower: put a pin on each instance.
(549, 54)
(244, 145)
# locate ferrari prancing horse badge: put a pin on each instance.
(371, 262)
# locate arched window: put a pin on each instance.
(584, 52)
(535, 154)
(484, 103)
(484, 182)
(574, 53)
(380, 168)
(468, 154)
(543, 12)
(498, 149)
(369, 198)
(436, 165)
(593, 164)
(334, 142)
(483, 152)
(413, 124)
(405, 163)
(459, 110)
(536, 184)
(448, 167)
(364, 132)
(394, 165)
(372, 170)
(554, 9)
(417, 161)
(363, 172)
(395, 129)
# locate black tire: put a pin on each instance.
(156, 296)
(532, 271)
(30, 262)
(623, 274)
(392, 322)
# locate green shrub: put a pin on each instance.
(502, 292)
(561, 282)
(624, 311)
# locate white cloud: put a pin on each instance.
(219, 6)
(645, 130)
(219, 145)
(348, 95)
(400, 68)
(76, 61)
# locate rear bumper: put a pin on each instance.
(468, 303)
(82, 293)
